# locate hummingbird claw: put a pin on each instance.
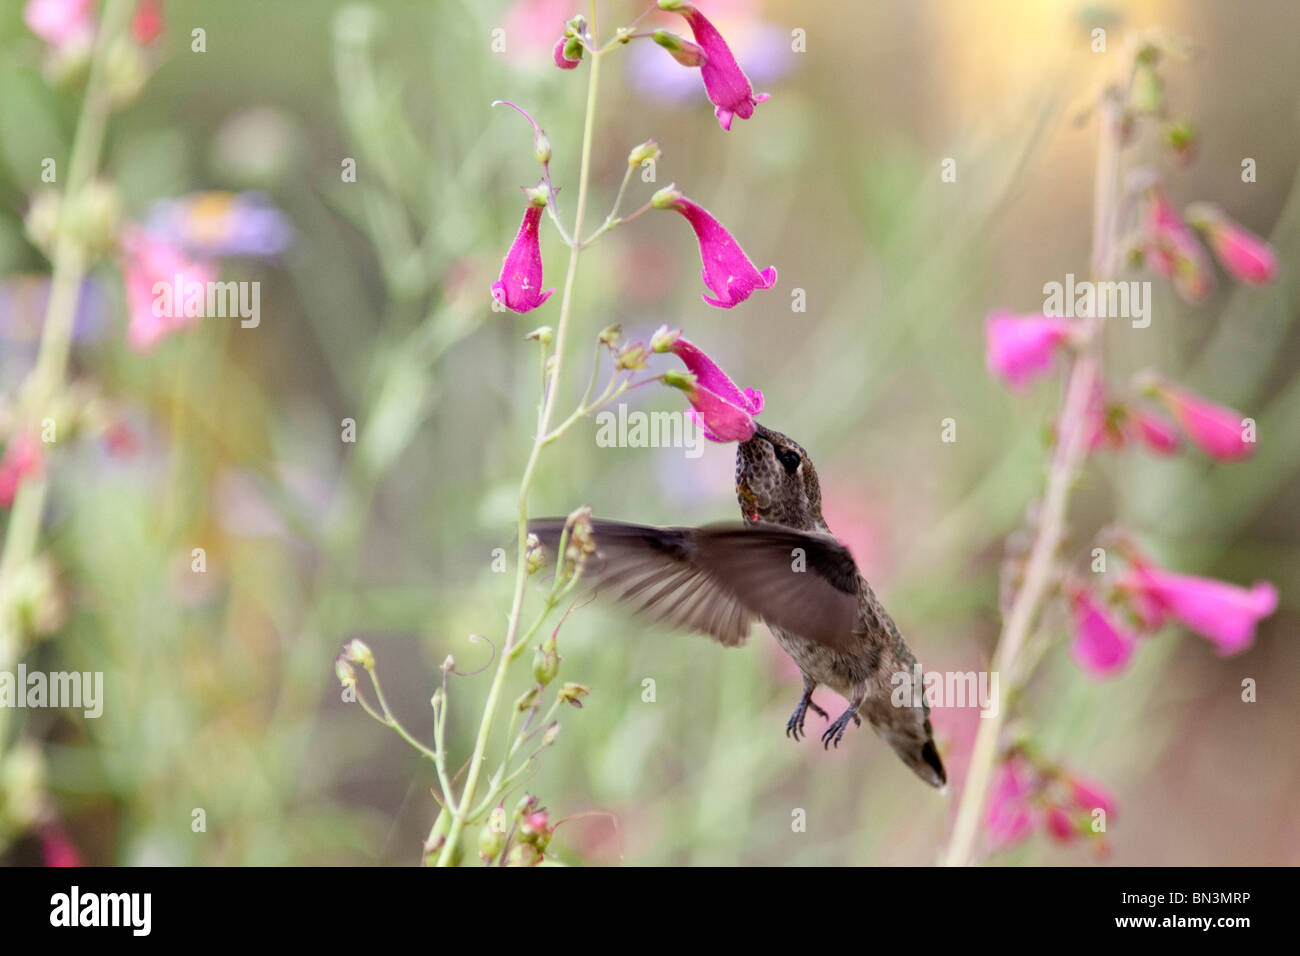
(794, 726)
(836, 730)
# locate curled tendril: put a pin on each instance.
(473, 638)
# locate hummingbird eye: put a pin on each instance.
(789, 460)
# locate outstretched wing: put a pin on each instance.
(719, 579)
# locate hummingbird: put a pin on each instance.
(779, 565)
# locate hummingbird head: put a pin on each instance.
(776, 482)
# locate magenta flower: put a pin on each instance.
(1224, 613)
(62, 23)
(520, 287)
(1090, 796)
(57, 849)
(1243, 254)
(561, 59)
(728, 272)
(1156, 431)
(728, 88)
(22, 459)
(718, 405)
(1018, 347)
(1218, 430)
(1172, 249)
(160, 284)
(1100, 646)
(1060, 824)
(1009, 817)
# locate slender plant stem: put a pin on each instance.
(465, 804)
(1066, 462)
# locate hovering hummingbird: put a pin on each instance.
(781, 566)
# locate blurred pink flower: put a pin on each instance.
(723, 411)
(22, 458)
(1224, 613)
(149, 261)
(1059, 825)
(147, 21)
(1158, 433)
(1090, 796)
(1243, 254)
(531, 25)
(728, 89)
(1100, 646)
(1218, 430)
(728, 272)
(1018, 347)
(1009, 817)
(1173, 251)
(61, 23)
(57, 849)
(520, 286)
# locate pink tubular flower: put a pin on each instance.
(1018, 347)
(61, 23)
(520, 287)
(1060, 825)
(1224, 613)
(728, 272)
(1243, 254)
(1218, 430)
(57, 849)
(1158, 433)
(728, 88)
(1009, 818)
(722, 409)
(1090, 796)
(159, 278)
(22, 458)
(1172, 249)
(1100, 646)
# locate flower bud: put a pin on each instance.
(523, 854)
(633, 356)
(551, 732)
(541, 147)
(449, 664)
(647, 152)
(570, 693)
(666, 197)
(357, 652)
(1182, 139)
(527, 698)
(664, 338)
(1148, 94)
(532, 826)
(546, 662)
(491, 841)
(567, 53)
(683, 50)
(536, 559)
(610, 334)
(346, 674)
(676, 378)
(42, 222)
(544, 334)
(526, 805)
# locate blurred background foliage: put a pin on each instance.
(220, 687)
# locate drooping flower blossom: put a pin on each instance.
(22, 458)
(519, 288)
(1111, 424)
(1156, 431)
(1173, 251)
(1243, 254)
(724, 412)
(1009, 818)
(1100, 646)
(147, 21)
(222, 224)
(149, 263)
(1219, 431)
(1018, 347)
(728, 272)
(728, 89)
(63, 24)
(1224, 613)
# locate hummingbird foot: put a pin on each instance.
(794, 726)
(836, 730)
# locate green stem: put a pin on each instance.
(461, 815)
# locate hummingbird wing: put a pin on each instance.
(719, 579)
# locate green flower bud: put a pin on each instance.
(633, 356)
(666, 197)
(664, 339)
(544, 334)
(646, 152)
(570, 693)
(491, 841)
(357, 652)
(523, 854)
(610, 334)
(676, 378)
(538, 195)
